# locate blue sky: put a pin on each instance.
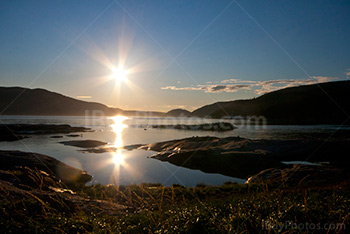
(178, 53)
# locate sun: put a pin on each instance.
(119, 74)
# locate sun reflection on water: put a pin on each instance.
(118, 158)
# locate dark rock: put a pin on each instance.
(13, 132)
(178, 113)
(84, 143)
(240, 157)
(56, 136)
(219, 127)
(234, 164)
(73, 135)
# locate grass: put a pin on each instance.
(153, 208)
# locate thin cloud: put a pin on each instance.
(225, 88)
(211, 88)
(258, 87)
(235, 81)
(183, 88)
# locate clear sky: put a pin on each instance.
(176, 53)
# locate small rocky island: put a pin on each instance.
(218, 126)
(15, 132)
(84, 143)
(241, 157)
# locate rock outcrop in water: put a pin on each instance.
(214, 155)
(218, 127)
(14, 132)
(240, 157)
(84, 143)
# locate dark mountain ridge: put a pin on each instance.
(178, 113)
(325, 103)
(24, 101)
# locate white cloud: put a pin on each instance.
(225, 88)
(323, 79)
(179, 88)
(259, 87)
(218, 88)
(235, 81)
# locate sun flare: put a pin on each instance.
(119, 74)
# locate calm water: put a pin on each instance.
(126, 167)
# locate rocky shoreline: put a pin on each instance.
(243, 158)
(217, 127)
(259, 160)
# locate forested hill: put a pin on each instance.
(325, 103)
(23, 101)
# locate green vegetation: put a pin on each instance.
(153, 208)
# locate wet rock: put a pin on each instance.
(84, 143)
(56, 136)
(240, 157)
(73, 135)
(219, 127)
(234, 164)
(14, 132)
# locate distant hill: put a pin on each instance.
(142, 114)
(178, 113)
(23, 101)
(324, 103)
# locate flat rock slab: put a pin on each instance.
(84, 143)
(56, 136)
(73, 135)
(241, 157)
(335, 151)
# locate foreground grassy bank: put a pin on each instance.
(152, 208)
